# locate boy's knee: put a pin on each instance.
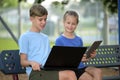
(68, 75)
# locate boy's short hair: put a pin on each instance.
(37, 10)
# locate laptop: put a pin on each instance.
(63, 57)
(93, 47)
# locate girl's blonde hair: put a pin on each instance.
(71, 13)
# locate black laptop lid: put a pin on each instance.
(63, 57)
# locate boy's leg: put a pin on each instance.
(44, 75)
(67, 75)
(52, 75)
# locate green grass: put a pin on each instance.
(7, 44)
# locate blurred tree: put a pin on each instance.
(8, 3)
(58, 7)
(109, 7)
(38, 1)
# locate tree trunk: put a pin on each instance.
(105, 28)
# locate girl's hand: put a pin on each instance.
(84, 58)
(93, 54)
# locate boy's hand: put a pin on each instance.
(35, 65)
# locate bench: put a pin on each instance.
(107, 56)
(10, 63)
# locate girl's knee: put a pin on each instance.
(98, 70)
(85, 76)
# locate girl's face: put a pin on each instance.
(38, 23)
(70, 24)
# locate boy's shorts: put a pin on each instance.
(44, 75)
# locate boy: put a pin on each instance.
(35, 48)
(69, 38)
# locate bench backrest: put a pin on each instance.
(107, 56)
(10, 62)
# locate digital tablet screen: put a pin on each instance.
(93, 47)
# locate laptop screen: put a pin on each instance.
(63, 57)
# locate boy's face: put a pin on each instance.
(38, 23)
(70, 24)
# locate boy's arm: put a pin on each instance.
(26, 63)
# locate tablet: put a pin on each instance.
(93, 47)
